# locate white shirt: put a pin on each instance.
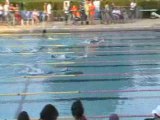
(116, 11)
(1, 9)
(66, 9)
(133, 6)
(6, 7)
(49, 9)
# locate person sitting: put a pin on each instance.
(78, 110)
(75, 14)
(23, 116)
(49, 112)
(18, 16)
(155, 113)
(35, 16)
(113, 117)
(117, 14)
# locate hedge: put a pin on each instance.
(58, 4)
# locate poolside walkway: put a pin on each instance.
(144, 24)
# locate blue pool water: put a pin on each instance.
(86, 62)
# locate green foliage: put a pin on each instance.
(58, 4)
(150, 4)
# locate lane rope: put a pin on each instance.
(84, 75)
(85, 92)
(79, 62)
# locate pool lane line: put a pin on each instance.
(71, 99)
(72, 75)
(58, 65)
(97, 53)
(39, 93)
(94, 51)
(122, 116)
(99, 117)
(82, 38)
(25, 93)
(90, 45)
(81, 62)
(56, 81)
(33, 53)
(33, 34)
(25, 64)
(21, 101)
(107, 65)
(87, 75)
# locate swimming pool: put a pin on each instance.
(111, 72)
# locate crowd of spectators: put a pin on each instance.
(13, 15)
(49, 112)
(109, 14)
(85, 13)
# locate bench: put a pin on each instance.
(148, 10)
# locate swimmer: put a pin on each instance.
(59, 57)
(64, 57)
(44, 33)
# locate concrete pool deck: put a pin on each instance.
(143, 24)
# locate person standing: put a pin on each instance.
(82, 12)
(108, 13)
(12, 10)
(75, 14)
(133, 6)
(1, 12)
(66, 12)
(49, 11)
(91, 13)
(44, 14)
(86, 8)
(6, 12)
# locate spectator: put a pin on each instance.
(113, 117)
(75, 14)
(133, 6)
(78, 110)
(17, 14)
(12, 9)
(82, 12)
(23, 116)
(35, 16)
(1, 12)
(6, 11)
(155, 113)
(86, 8)
(108, 13)
(49, 11)
(45, 8)
(91, 13)
(66, 12)
(49, 112)
(117, 15)
(43, 15)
